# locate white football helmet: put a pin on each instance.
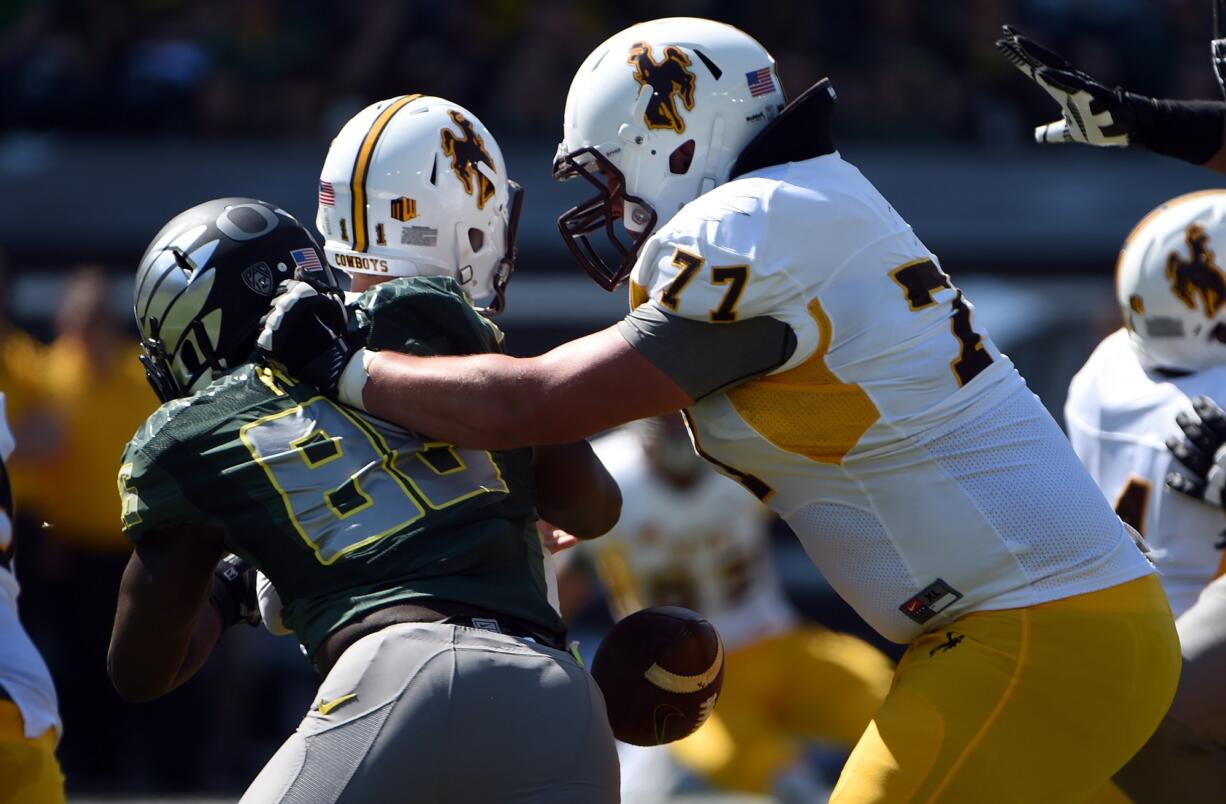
(417, 186)
(655, 117)
(1170, 286)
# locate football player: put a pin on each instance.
(691, 537)
(826, 362)
(29, 713)
(409, 569)
(1122, 406)
(1094, 114)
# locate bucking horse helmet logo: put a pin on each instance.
(466, 152)
(670, 80)
(1199, 276)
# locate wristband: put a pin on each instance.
(1187, 130)
(353, 379)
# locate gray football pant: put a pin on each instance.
(441, 713)
(1185, 760)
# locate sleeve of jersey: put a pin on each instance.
(425, 316)
(152, 499)
(704, 317)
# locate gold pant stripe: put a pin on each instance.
(1005, 697)
(1072, 687)
(361, 167)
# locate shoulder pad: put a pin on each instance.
(151, 496)
(424, 315)
(710, 262)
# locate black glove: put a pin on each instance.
(1099, 115)
(1201, 453)
(1091, 113)
(306, 331)
(233, 592)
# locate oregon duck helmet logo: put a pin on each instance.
(1199, 276)
(466, 151)
(670, 80)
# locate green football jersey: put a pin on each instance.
(344, 512)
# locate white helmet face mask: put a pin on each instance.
(1171, 287)
(417, 186)
(656, 116)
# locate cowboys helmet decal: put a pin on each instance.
(1199, 276)
(670, 81)
(466, 152)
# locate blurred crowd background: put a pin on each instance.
(237, 68)
(115, 115)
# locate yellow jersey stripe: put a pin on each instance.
(361, 167)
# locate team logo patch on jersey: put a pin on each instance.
(258, 277)
(1199, 277)
(404, 209)
(466, 152)
(670, 80)
(931, 601)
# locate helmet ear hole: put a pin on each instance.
(681, 158)
(476, 239)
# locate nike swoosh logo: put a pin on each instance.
(327, 706)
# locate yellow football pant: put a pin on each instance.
(804, 684)
(1038, 704)
(29, 771)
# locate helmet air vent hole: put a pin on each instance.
(680, 159)
(1219, 333)
(434, 171)
(715, 70)
(182, 260)
(476, 239)
(191, 360)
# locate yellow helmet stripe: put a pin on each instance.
(361, 167)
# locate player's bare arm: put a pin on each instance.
(489, 401)
(165, 626)
(574, 491)
(500, 402)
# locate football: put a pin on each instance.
(660, 670)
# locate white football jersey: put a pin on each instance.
(1119, 417)
(705, 547)
(23, 673)
(921, 475)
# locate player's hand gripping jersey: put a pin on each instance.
(922, 476)
(1119, 416)
(345, 513)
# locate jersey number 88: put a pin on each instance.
(345, 484)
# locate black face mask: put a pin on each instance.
(597, 212)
